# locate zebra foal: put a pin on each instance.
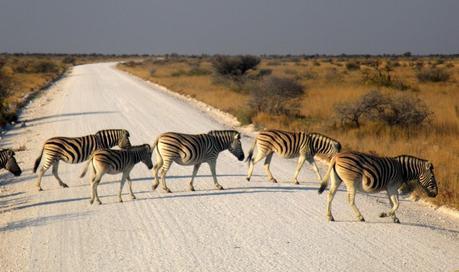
(290, 145)
(110, 161)
(194, 149)
(76, 150)
(8, 162)
(372, 174)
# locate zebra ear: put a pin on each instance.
(429, 165)
(238, 136)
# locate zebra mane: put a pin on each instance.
(411, 166)
(320, 142)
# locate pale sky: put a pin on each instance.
(230, 26)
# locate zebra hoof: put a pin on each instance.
(330, 219)
(248, 179)
(154, 187)
(121, 201)
(98, 202)
(40, 189)
(192, 189)
(382, 215)
(361, 219)
(273, 180)
(296, 182)
(220, 187)
(167, 190)
(396, 220)
(64, 185)
(133, 197)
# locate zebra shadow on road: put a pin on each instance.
(42, 220)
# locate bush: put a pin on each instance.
(69, 60)
(432, 75)
(234, 66)
(264, 72)
(6, 79)
(402, 111)
(46, 67)
(277, 96)
(352, 66)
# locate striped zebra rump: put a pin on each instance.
(374, 173)
(70, 150)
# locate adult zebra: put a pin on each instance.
(110, 161)
(290, 145)
(76, 150)
(194, 149)
(8, 161)
(371, 174)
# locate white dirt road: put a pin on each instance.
(256, 226)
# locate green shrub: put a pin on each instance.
(234, 66)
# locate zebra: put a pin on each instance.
(194, 149)
(290, 145)
(371, 174)
(76, 150)
(8, 162)
(110, 161)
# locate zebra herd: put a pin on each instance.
(359, 171)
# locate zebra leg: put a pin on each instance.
(55, 173)
(393, 198)
(195, 171)
(316, 169)
(260, 155)
(164, 170)
(335, 182)
(266, 165)
(94, 183)
(299, 165)
(41, 172)
(212, 165)
(351, 200)
(130, 187)
(158, 165)
(123, 180)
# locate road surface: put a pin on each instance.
(256, 226)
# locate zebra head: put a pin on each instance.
(420, 170)
(321, 144)
(146, 156)
(11, 164)
(229, 139)
(236, 147)
(427, 179)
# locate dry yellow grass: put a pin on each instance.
(327, 82)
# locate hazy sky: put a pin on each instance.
(230, 26)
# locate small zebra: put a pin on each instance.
(372, 174)
(111, 161)
(189, 149)
(290, 145)
(8, 162)
(76, 150)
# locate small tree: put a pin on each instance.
(234, 66)
(432, 75)
(276, 95)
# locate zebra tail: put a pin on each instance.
(324, 183)
(250, 154)
(38, 160)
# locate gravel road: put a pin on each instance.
(256, 226)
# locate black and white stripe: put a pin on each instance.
(76, 150)
(8, 162)
(194, 149)
(290, 145)
(110, 161)
(371, 174)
